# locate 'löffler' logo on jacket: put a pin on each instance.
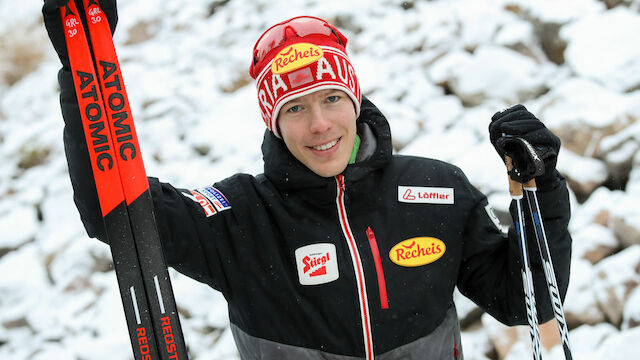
(425, 195)
(317, 264)
(417, 251)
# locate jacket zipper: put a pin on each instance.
(382, 285)
(357, 266)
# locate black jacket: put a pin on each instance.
(359, 265)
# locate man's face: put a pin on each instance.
(319, 129)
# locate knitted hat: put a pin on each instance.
(297, 57)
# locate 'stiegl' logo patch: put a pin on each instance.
(417, 251)
(294, 57)
(317, 264)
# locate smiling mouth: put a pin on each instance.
(326, 146)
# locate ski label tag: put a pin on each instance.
(425, 195)
(317, 264)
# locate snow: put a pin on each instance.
(582, 101)
(592, 238)
(604, 48)
(581, 306)
(437, 69)
(587, 170)
(18, 227)
(586, 339)
(560, 12)
(618, 347)
(474, 78)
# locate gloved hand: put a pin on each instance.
(53, 23)
(519, 122)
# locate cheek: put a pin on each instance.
(290, 134)
(348, 113)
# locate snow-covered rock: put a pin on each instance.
(581, 305)
(438, 69)
(18, 226)
(631, 312)
(593, 243)
(586, 339)
(584, 174)
(603, 47)
(582, 112)
(480, 76)
(619, 346)
(614, 280)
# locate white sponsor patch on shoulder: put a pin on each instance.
(317, 264)
(425, 195)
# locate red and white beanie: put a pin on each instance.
(300, 66)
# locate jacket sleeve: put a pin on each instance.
(193, 243)
(490, 272)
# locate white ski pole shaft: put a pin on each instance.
(515, 189)
(549, 272)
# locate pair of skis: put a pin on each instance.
(123, 188)
(529, 189)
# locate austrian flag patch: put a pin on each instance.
(211, 199)
(216, 197)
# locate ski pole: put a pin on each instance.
(515, 189)
(549, 272)
(541, 240)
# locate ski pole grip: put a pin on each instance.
(515, 188)
(530, 185)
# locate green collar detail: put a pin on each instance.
(356, 146)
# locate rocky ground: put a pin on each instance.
(437, 69)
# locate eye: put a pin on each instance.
(294, 109)
(333, 98)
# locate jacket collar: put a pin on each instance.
(287, 173)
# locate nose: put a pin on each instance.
(319, 121)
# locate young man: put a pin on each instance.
(339, 250)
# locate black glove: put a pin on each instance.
(517, 121)
(53, 23)
(84, 188)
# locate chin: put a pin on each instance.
(329, 172)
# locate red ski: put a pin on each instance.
(123, 188)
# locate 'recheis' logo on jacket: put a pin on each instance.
(417, 251)
(317, 264)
